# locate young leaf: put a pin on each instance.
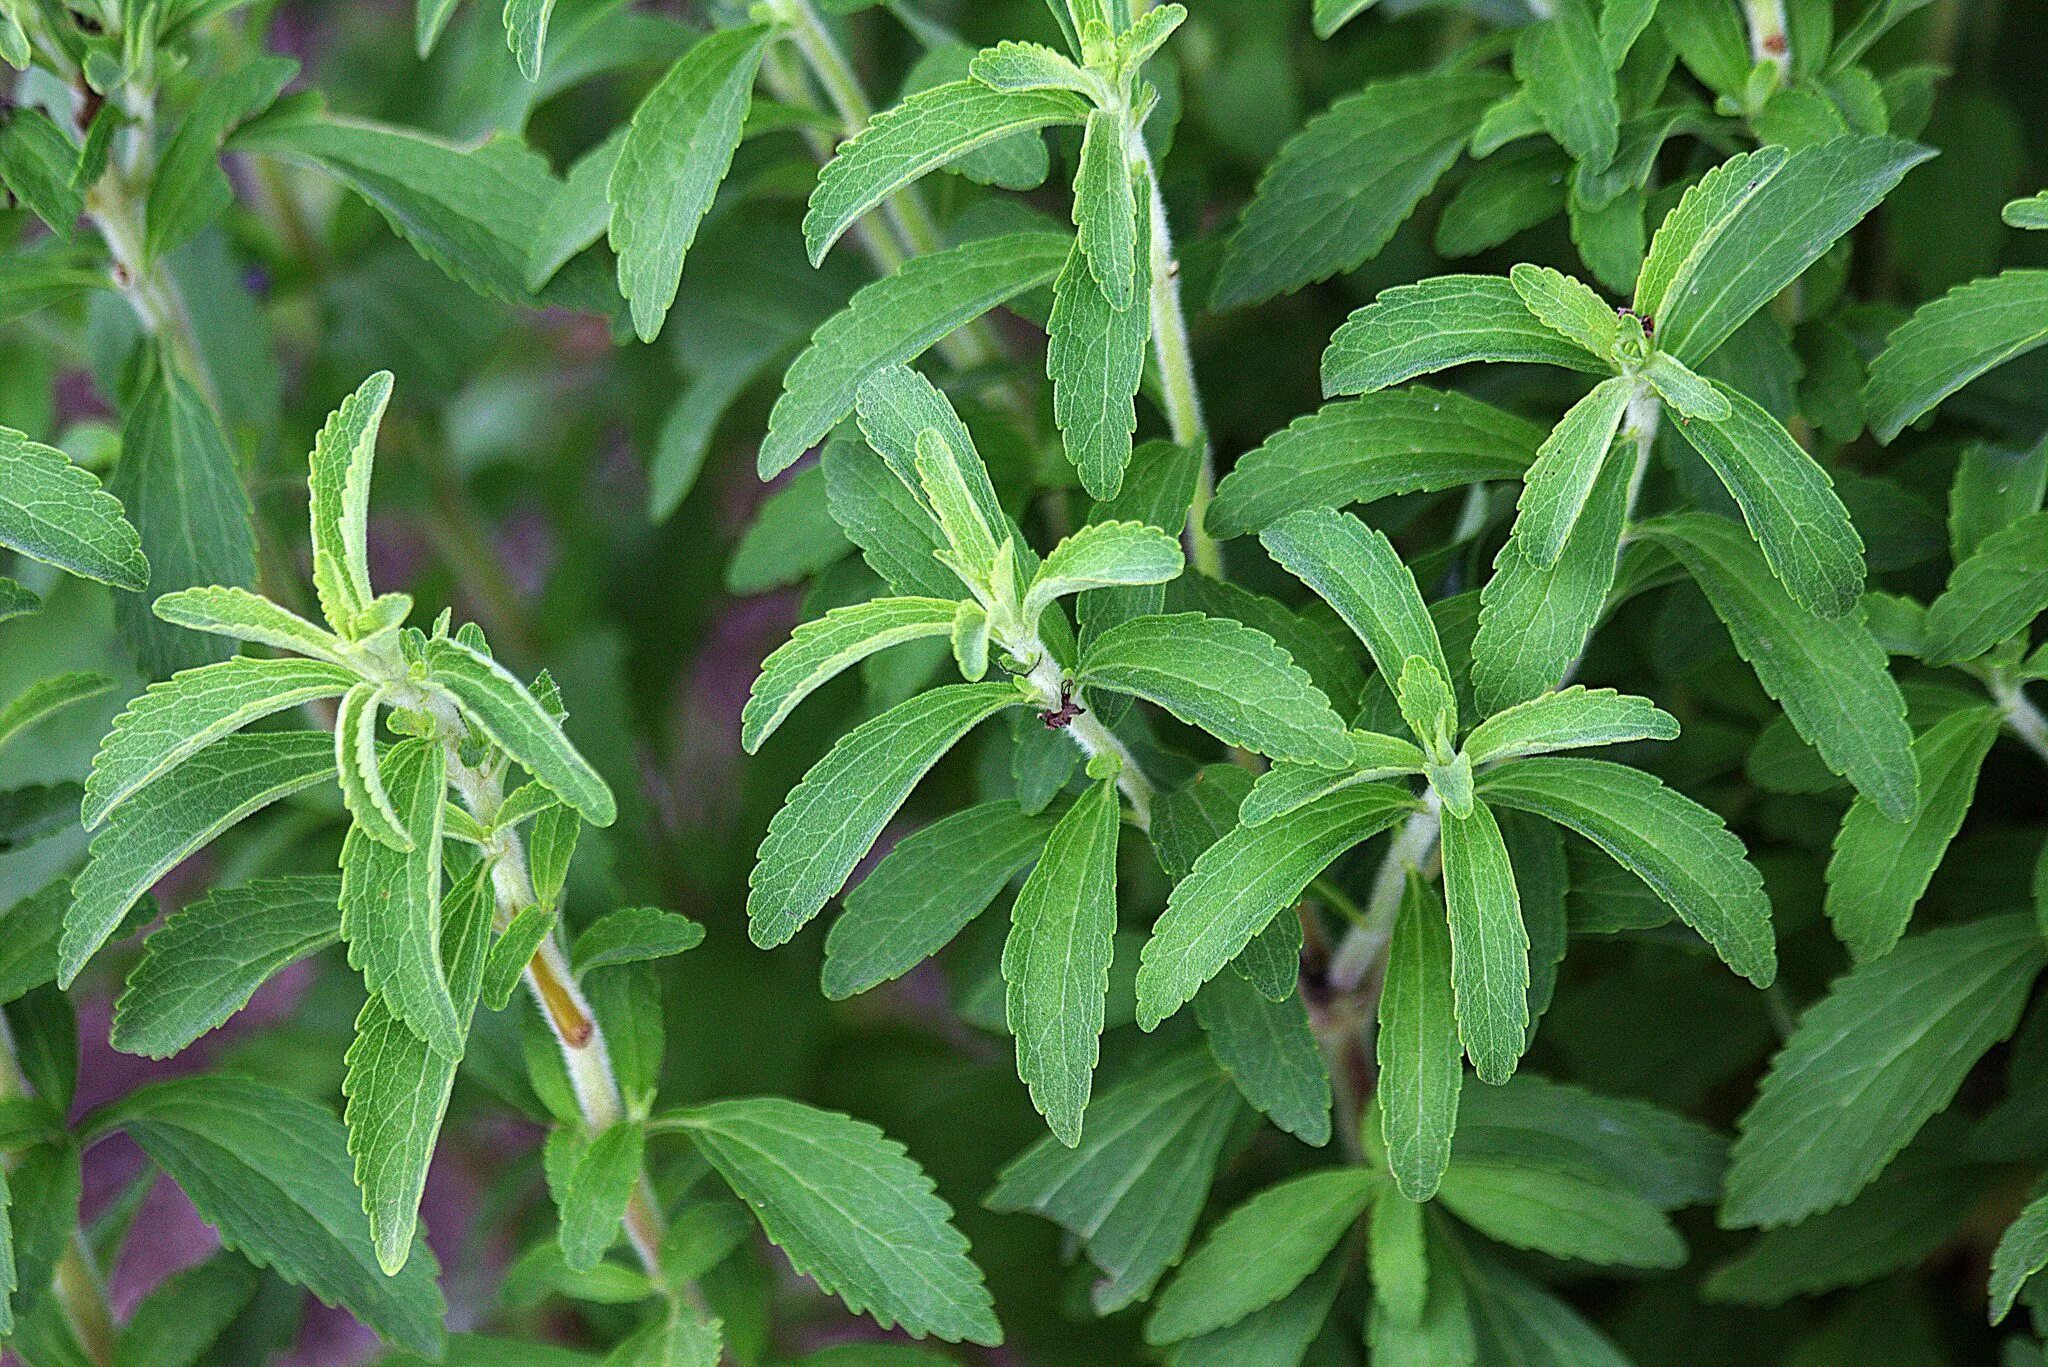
(1830, 676)
(1568, 307)
(930, 128)
(1666, 839)
(893, 321)
(1950, 342)
(1684, 390)
(1434, 324)
(1011, 65)
(1356, 570)
(1413, 440)
(1752, 225)
(1885, 1049)
(343, 453)
(1568, 720)
(1233, 682)
(850, 1210)
(1788, 501)
(500, 706)
(1286, 786)
(1105, 209)
(1992, 595)
(245, 616)
(1556, 489)
(824, 647)
(1417, 1044)
(831, 818)
(676, 151)
(1270, 1051)
(1347, 180)
(1881, 867)
(360, 770)
(1056, 960)
(526, 33)
(158, 829)
(55, 512)
(1566, 75)
(1261, 1251)
(391, 899)
(1101, 555)
(270, 1171)
(1245, 879)
(1132, 1191)
(1095, 359)
(208, 959)
(633, 935)
(1489, 945)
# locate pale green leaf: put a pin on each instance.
(526, 33)
(53, 511)
(1685, 390)
(824, 647)
(357, 765)
(594, 1201)
(2022, 1251)
(1871, 1061)
(1417, 1044)
(677, 149)
(831, 818)
(1013, 65)
(1434, 324)
(246, 616)
(494, 699)
(1056, 960)
(1569, 307)
(1287, 786)
(1102, 555)
(850, 1210)
(1682, 850)
(1232, 681)
(2031, 212)
(1567, 720)
(159, 828)
(1105, 209)
(1095, 359)
(343, 454)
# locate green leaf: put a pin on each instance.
(598, 1191)
(1561, 1211)
(1569, 307)
(501, 707)
(850, 1210)
(1013, 65)
(1360, 450)
(270, 1171)
(1691, 395)
(208, 958)
(1245, 879)
(2031, 212)
(1340, 187)
(824, 647)
(45, 697)
(186, 1313)
(1331, 15)
(1056, 960)
(1232, 681)
(1666, 839)
(1578, 716)
(1752, 225)
(1566, 74)
(1356, 570)
(1489, 946)
(1286, 786)
(831, 818)
(1434, 324)
(929, 129)
(526, 33)
(676, 151)
(678, 1339)
(1095, 359)
(397, 1083)
(1664, 1158)
(1102, 555)
(1270, 1052)
(633, 935)
(933, 882)
(39, 164)
(1881, 867)
(1132, 1191)
(1417, 1044)
(55, 512)
(1788, 501)
(178, 482)
(245, 616)
(358, 767)
(893, 321)
(1558, 485)
(158, 829)
(1830, 676)
(391, 899)
(1283, 1332)
(1261, 1251)
(513, 951)
(1871, 1061)
(1992, 595)
(1534, 620)
(1105, 209)
(343, 455)
(189, 189)
(2022, 1251)
(171, 721)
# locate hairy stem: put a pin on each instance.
(2022, 717)
(1365, 942)
(1769, 42)
(76, 1281)
(1052, 687)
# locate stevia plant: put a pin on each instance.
(1655, 593)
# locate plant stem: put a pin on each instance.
(1768, 41)
(1365, 942)
(548, 976)
(1051, 687)
(2022, 718)
(76, 1281)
